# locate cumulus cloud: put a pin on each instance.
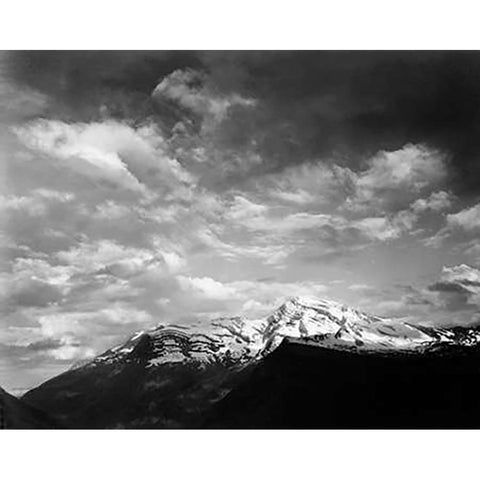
(397, 177)
(413, 167)
(207, 288)
(436, 202)
(467, 219)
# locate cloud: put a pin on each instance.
(107, 256)
(300, 197)
(45, 345)
(460, 230)
(384, 228)
(110, 210)
(253, 298)
(458, 288)
(207, 288)
(360, 102)
(191, 90)
(244, 209)
(262, 218)
(82, 334)
(28, 205)
(36, 203)
(393, 179)
(30, 292)
(413, 167)
(436, 202)
(109, 151)
(467, 219)
(271, 252)
(360, 287)
(33, 283)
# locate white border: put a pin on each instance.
(392, 455)
(249, 24)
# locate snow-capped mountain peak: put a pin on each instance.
(239, 341)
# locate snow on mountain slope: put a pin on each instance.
(240, 341)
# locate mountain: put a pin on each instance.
(178, 376)
(301, 386)
(16, 414)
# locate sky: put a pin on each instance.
(141, 188)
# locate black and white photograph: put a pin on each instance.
(240, 239)
(199, 243)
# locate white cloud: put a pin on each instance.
(300, 197)
(36, 204)
(41, 269)
(467, 219)
(359, 287)
(174, 261)
(252, 297)
(242, 208)
(131, 158)
(82, 334)
(111, 210)
(413, 167)
(54, 195)
(21, 203)
(207, 288)
(462, 274)
(110, 257)
(394, 179)
(436, 202)
(318, 184)
(82, 148)
(268, 251)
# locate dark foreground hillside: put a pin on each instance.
(309, 387)
(15, 414)
(296, 386)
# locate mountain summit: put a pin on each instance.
(171, 375)
(239, 341)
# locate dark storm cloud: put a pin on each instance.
(448, 287)
(354, 104)
(81, 81)
(341, 105)
(44, 345)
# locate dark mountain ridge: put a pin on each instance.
(300, 386)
